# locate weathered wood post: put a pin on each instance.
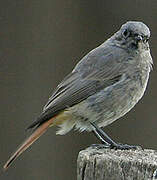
(106, 164)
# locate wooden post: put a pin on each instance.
(107, 164)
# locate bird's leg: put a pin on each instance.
(104, 143)
(107, 141)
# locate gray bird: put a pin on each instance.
(105, 85)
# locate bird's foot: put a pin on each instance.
(100, 146)
(124, 147)
(116, 146)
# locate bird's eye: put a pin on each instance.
(126, 33)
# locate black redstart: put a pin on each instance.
(104, 86)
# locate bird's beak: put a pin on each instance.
(139, 38)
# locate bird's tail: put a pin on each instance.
(29, 141)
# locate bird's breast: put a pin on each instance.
(110, 103)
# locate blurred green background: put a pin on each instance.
(40, 42)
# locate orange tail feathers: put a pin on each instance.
(29, 141)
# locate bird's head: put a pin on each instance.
(134, 35)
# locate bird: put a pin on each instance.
(103, 86)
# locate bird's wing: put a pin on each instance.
(97, 70)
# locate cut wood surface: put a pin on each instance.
(108, 164)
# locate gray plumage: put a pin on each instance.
(106, 83)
